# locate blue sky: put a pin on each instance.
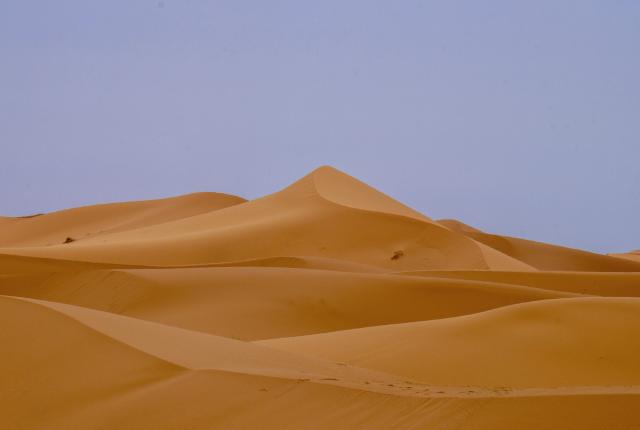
(521, 118)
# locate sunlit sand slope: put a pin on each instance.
(551, 343)
(11, 265)
(88, 369)
(260, 303)
(89, 221)
(544, 256)
(309, 218)
(633, 255)
(326, 305)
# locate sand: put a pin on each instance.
(633, 255)
(324, 305)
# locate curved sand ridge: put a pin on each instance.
(607, 284)
(89, 221)
(149, 376)
(260, 303)
(325, 305)
(633, 255)
(11, 265)
(544, 256)
(194, 350)
(550, 343)
(298, 221)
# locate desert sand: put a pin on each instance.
(326, 305)
(633, 255)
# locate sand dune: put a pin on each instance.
(633, 255)
(23, 265)
(566, 342)
(305, 219)
(90, 221)
(608, 284)
(544, 256)
(154, 371)
(327, 304)
(260, 303)
(458, 225)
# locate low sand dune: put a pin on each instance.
(325, 305)
(551, 343)
(544, 256)
(260, 303)
(89, 221)
(163, 378)
(607, 284)
(23, 265)
(297, 263)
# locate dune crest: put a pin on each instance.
(252, 303)
(80, 223)
(340, 188)
(549, 343)
(326, 214)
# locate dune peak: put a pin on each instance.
(341, 188)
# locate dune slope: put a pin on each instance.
(550, 343)
(163, 378)
(633, 255)
(607, 284)
(259, 303)
(90, 221)
(305, 219)
(327, 304)
(544, 256)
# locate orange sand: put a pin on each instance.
(325, 305)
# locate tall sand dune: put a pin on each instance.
(327, 304)
(308, 218)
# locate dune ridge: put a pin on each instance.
(482, 346)
(270, 227)
(259, 303)
(90, 221)
(633, 255)
(327, 304)
(544, 256)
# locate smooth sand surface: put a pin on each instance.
(308, 218)
(549, 343)
(608, 284)
(90, 221)
(544, 256)
(324, 305)
(259, 303)
(633, 255)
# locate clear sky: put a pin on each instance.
(521, 118)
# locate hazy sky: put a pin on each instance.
(517, 117)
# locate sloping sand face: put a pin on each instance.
(633, 255)
(325, 305)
